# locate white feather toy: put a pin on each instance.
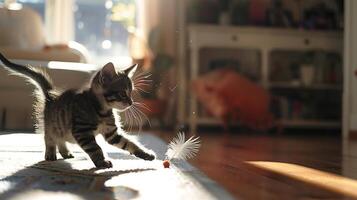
(180, 149)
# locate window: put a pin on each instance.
(102, 26)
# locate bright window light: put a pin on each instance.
(106, 44)
(102, 26)
(14, 6)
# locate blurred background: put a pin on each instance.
(257, 65)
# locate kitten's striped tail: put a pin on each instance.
(38, 77)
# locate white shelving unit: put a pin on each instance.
(265, 40)
(287, 85)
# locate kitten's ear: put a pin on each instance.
(107, 73)
(130, 71)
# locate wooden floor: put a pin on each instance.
(25, 175)
(258, 166)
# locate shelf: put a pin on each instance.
(310, 123)
(265, 30)
(214, 121)
(209, 120)
(285, 123)
(287, 85)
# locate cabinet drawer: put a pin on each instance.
(263, 39)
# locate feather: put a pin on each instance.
(181, 149)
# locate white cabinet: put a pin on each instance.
(266, 41)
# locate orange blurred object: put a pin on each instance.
(230, 96)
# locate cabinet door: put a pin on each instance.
(307, 87)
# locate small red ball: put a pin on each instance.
(166, 164)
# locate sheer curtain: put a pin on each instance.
(59, 21)
(159, 14)
(162, 14)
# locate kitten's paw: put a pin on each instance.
(104, 164)
(144, 155)
(67, 156)
(50, 157)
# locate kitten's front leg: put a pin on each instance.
(63, 149)
(50, 154)
(113, 138)
(87, 141)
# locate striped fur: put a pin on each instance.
(77, 116)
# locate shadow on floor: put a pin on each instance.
(39, 182)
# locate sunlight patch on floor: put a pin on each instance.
(157, 184)
(316, 177)
(45, 195)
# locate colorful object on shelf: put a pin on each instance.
(320, 17)
(229, 95)
(179, 149)
(257, 12)
(278, 15)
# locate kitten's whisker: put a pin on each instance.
(142, 84)
(143, 115)
(138, 107)
(141, 88)
(139, 119)
(142, 105)
(131, 120)
(126, 121)
(135, 116)
(142, 81)
(142, 74)
(137, 92)
(125, 116)
(138, 89)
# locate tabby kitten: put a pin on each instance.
(77, 116)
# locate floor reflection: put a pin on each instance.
(335, 183)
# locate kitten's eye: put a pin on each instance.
(122, 95)
(110, 98)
